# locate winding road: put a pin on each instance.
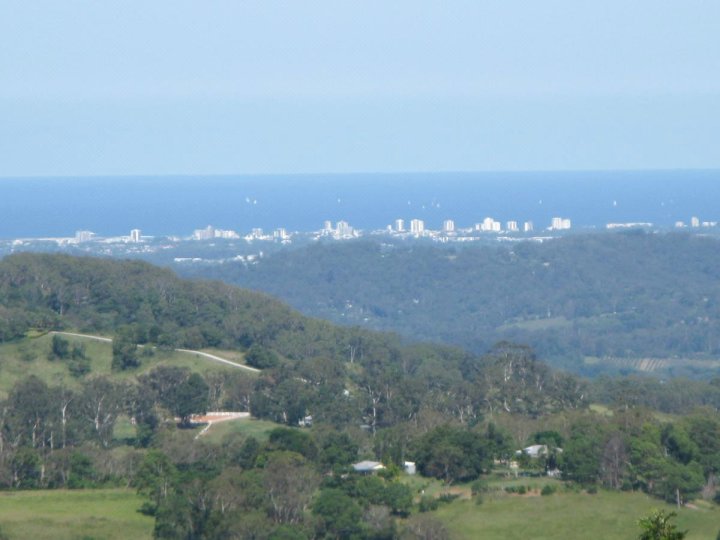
(209, 356)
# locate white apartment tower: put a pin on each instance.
(399, 225)
(135, 235)
(83, 236)
(417, 226)
(528, 226)
(343, 229)
(512, 226)
(560, 224)
(490, 225)
(448, 226)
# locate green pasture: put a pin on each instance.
(73, 514)
(567, 516)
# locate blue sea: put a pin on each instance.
(108, 206)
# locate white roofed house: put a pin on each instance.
(368, 467)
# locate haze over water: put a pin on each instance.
(39, 207)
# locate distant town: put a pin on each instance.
(213, 245)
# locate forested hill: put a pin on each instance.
(393, 381)
(587, 302)
(104, 296)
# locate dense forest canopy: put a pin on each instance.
(614, 302)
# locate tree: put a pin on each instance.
(658, 526)
(100, 404)
(289, 483)
(59, 348)
(124, 351)
(261, 358)
(156, 477)
(191, 398)
(452, 453)
(339, 515)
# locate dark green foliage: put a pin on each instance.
(549, 438)
(59, 348)
(337, 451)
(261, 358)
(658, 526)
(82, 474)
(125, 353)
(452, 454)
(293, 440)
(339, 515)
(25, 465)
(191, 397)
(79, 367)
(156, 477)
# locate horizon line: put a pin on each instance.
(358, 173)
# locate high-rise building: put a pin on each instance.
(560, 224)
(343, 229)
(400, 225)
(512, 226)
(208, 233)
(327, 225)
(694, 221)
(417, 226)
(84, 236)
(490, 225)
(280, 234)
(448, 226)
(135, 235)
(528, 226)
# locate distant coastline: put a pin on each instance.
(175, 205)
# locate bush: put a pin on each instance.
(479, 486)
(428, 504)
(548, 490)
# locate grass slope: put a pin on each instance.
(568, 516)
(72, 514)
(28, 356)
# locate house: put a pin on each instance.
(368, 467)
(537, 450)
(409, 467)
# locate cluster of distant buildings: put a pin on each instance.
(695, 223)
(81, 237)
(210, 233)
(343, 230)
(417, 228)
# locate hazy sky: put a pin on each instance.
(162, 87)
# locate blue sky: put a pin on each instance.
(243, 87)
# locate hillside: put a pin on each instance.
(83, 413)
(614, 302)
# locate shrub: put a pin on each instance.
(428, 504)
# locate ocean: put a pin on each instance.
(168, 205)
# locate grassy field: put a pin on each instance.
(250, 427)
(73, 514)
(568, 516)
(29, 356)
